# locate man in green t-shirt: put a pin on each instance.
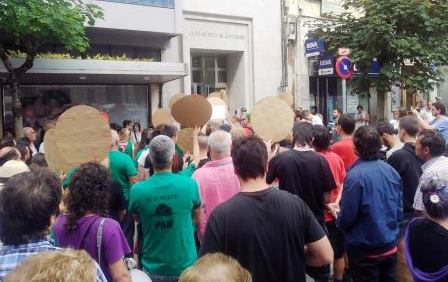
(167, 204)
(123, 171)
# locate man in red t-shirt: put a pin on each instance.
(321, 144)
(344, 148)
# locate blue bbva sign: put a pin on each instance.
(314, 47)
(326, 65)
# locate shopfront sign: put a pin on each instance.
(326, 66)
(344, 67)
(314, 47)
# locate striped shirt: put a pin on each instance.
(431, 169)
(11, 256)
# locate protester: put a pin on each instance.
(85, 225)
(424, 109)
(267, 230)
(389, 138)
(49, 124)
(429, 148)
(8, 141)
(144, 162)
(136, 133)
(217, 268)
(125, 144)
(39, 160)
(398, 114)
(216, 180)
(31, 136)
(167, 204)
(122, 170)
(371, 210)
(30, 201)
(361, 117)
(440, 123)
(23, 145)
(9, 153)
(55, 266)
(408, 166)
(127, 124)
(11, 168)
(306, 174)
(203, 150)
(321, 143)
(245, 123)
(344, 148)
(427, 248)
(337, 113)
(313, 119)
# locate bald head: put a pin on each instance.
(220, 143)
(30, 134)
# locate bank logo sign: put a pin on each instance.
(326, 66)
(314, 47)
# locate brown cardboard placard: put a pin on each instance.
(287, 97)
(174, 99)
(192, 110)
(185, 139)
(53, 155)
(162, 116)
(81, 135)
(272, 119)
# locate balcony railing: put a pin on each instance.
(153, 3)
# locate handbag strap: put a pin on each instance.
(99, 238)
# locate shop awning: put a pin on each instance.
(74, 71)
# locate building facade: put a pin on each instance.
(143, 52)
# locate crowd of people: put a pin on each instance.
(353, 202)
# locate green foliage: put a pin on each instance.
(394, 31)
(26, 25)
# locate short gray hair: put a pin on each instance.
(220, 142)
(161, 152)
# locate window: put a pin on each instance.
(152, 3)
(209, 74)
(43, 102)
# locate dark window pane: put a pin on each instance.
(222, 76)
(222, 62)
(197, 76)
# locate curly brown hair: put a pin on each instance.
(88, 192)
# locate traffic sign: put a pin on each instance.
(344, 67)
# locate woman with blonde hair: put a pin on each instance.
(216, 267)
(66, 265)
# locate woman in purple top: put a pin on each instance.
(85, 226)
(427, 248)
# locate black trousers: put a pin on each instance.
(365, 269)
(322, 273)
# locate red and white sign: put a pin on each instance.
(343, 51)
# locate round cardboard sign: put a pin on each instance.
(174, 99)
(81, 135)
(219, 108)
(185, 139)
(287, 97)
(192, 110)
(272, 119)
(162, 116)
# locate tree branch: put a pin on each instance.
(6, 61)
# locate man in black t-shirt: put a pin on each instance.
(272, 233)
(307, 174)
(303, 172)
